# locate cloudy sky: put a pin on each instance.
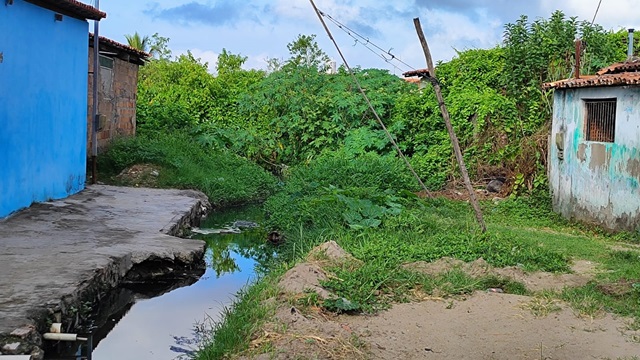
(261, 29)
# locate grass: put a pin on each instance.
(520, 234)
(364, 206)
(225, 178)
(242, 319)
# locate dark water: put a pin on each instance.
(141, 325)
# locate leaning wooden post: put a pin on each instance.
(431, 76)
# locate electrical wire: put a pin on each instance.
(596, 14)
(366, 98)
(365, 41)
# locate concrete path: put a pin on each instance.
(55, 254)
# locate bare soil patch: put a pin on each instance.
(491, 326)
(483, 325)
(140, 175)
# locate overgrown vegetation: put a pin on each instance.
(338, 178)
(296, 111)
(225, 178)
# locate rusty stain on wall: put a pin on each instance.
(582, 152)
(633, 168)
(600, 158)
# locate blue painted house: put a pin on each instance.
(594, 152)
(43, 100)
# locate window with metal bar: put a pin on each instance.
(600, 120)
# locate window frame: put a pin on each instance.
(601, 122)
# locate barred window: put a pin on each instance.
(600, 120)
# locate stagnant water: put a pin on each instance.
(169, 322)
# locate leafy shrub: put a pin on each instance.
(339, 189)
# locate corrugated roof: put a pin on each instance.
(116, 45)
(625, 73)
(72, 8)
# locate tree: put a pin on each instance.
(138, 42)
(305, 52)
(159, 47)
(229, 63)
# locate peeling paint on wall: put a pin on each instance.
(600, 158)
(582, 152)
(597, 182)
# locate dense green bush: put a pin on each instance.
(338, 189)
(297, 111)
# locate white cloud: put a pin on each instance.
(613, 14)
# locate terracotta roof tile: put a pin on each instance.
(72, 8)
(629, 78)
(126, 48)
(627, 66)
(624, 73)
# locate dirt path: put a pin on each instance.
(491, 326)
(484, 325)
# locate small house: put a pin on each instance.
(43, 100)
(118, 77)
(594, 149)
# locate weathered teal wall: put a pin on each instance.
(43, 105)
(596, 182)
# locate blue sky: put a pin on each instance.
(261, 29)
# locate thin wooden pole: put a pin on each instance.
(366, 98)
(447, 121)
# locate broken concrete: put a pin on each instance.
(58, 255)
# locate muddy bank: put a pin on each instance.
(58, 257)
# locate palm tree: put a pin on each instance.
(138, 42)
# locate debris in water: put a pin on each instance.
(225, 230)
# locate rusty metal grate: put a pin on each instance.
(600, 124)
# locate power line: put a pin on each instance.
(364, 41)
(366, 98)
(596, 14)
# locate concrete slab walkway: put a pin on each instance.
(54, 254)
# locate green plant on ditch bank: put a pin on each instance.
(225, 178)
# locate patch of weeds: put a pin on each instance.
(543, 304)
(341, 306)
(457, 282)
(373, 285)
(586, 300)
(307, 300)
(240, 320)
(507, 285)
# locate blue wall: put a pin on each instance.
(43, 105)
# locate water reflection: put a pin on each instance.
(149, 329)
(139, 323)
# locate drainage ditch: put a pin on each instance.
(165, 311)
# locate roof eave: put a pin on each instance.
(71, 8)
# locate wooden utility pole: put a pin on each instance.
(431, 76)
(366, 99)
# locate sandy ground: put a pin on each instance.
(491, 326)
(485, 325)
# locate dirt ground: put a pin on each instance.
(484, 325)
